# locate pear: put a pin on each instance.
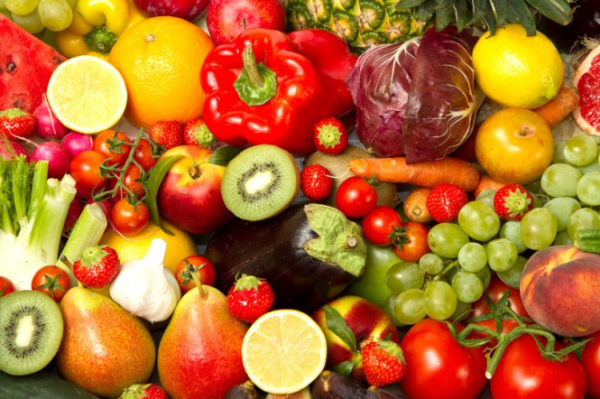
(104, 349)
(200, 354)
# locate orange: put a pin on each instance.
(514, 146)
(160, 59)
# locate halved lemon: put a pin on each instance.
(87, 94)
(284, 351)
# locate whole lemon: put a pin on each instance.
(517, 70)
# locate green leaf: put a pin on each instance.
(337, 325)
(520, 12)
(426, 10)
(344, 368)
(500, 7)
(406, 4)
(443, 15)
(222, 156)
(557, 10)
(462, 14)
(157, 174)
(489, 17)
(478, 7)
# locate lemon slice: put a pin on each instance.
(87, 94)
(284, 351)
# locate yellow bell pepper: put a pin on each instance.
(96, 26)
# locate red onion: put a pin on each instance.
(77, 142)
(57, 155)
(48, 126)
(17, 148)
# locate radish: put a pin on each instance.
(17, 148)
(57, 155)
(48, 126)
(77, 142)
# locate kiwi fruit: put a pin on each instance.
(338, 166)
(31, 329)
(260, 182)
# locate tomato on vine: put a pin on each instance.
(85, 169)
(144, 155)
(112, 145)
(129, 219)
(380, 224)
(410, 244)
(132, 181)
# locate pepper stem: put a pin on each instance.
(100, 39)
(252, 68)
(257, 84)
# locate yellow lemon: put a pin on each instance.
(516, 70)
(179, 245)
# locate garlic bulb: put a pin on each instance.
(145, 288)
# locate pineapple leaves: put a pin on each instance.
(443, 14)
(557, 10)
(478, 10)
(462, 14)
(426, 10)
(406, 4)
(500, 11)
(519, 12)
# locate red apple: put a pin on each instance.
(186, 9)
(190, 193)
(367, 322)
(226, 19)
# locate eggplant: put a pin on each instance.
(242, 391)
(378, 393)
(303, 394)
(332, 385)
(309, 254)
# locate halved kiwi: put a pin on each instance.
(31, 329)
(260, 182)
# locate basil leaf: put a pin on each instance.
(157, 174)
(222, 156)
(336, 323)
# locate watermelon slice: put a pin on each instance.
(26, 64)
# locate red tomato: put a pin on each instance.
(85, 169)
(115, 157)
(355, 197)
(206, 272)
(6, 286)
(52, 281)
(523, 373)
(131, 181)
(143, 155)
(379, 225)
(591, 364)
(438, 367)
(127, 219)
(416, 245)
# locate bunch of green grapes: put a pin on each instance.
(35, 15)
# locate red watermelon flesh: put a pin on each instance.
(26, 64)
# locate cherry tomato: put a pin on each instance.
(105, 205)
(143, 155)
(115, 157)
(52, 281)
(379, 225)
(6, 286)
(523, 373)
(355, 197)
(591, 364)
(438, 367)
(127, 219)
(131, 181)
(85, 169)
(412, 244)
(206, 272)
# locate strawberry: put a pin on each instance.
(195, 132)
(512, 202)
(316, 182)
(383, 363)
(445, 201)
(331, 136)
(16, 123)
(168, 134)
(139, 391)
(250, 298)
(98, 266)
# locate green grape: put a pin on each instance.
(467, 287)
(560, 180)
(472, 257)
(479, 221)
(409, 307)
(588, 189)
(446, 239)
(593, 167)
(502, 254)
(559, 152)
(404, 276)
(562, 238)
(389, 308)
(512, 276)
(30, 22)
(582, 219)
(56, 15)
(21, 7)
(440, 300)
(538, 229)
(581, 150)
(431, 264)
(562, 208)
(462, 312)
(487, 197)
(511, 230)
(485, 275)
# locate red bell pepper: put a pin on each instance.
(271, 88)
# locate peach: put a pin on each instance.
(560, 290)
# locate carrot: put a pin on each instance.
(415, 205)
(424, 174)
(487, 183)
(557, 109)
